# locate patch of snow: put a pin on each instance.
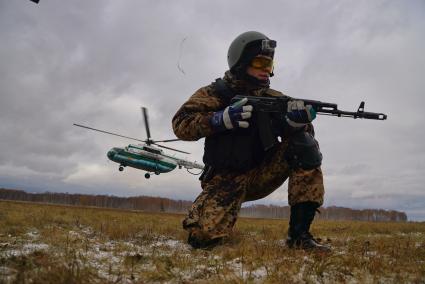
(74, 234)
(34, 247)
(26, 249)
(244, 271)
(87, 231)
(33, 234)
(412, 234)
(371, 253)
(260, 272)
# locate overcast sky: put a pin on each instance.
(97, 62)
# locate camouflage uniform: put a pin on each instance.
(215, 210)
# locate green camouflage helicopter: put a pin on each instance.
(146, 156)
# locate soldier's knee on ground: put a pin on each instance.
(201, 240)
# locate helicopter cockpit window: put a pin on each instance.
(152, 150)
(133, 150)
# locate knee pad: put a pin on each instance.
(303, 151)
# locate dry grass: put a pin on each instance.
(62, 244)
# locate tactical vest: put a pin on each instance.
(237, 150)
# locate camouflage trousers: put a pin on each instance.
(214, 212)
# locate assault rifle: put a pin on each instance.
(280, 105)
(264, 107)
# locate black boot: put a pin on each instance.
(299, 235)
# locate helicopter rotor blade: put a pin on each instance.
(171, 149)
(145, 117)
(168, 140)
(110, 133)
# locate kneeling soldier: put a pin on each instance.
(237, 166)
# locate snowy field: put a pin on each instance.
(57, 244)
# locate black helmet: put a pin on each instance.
(248, 45)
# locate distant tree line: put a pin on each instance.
(327, 213)
(145, 203)
(159, 204)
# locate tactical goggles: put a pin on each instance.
(261, 62)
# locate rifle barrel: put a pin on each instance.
(366, 115)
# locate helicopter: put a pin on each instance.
(146, 156)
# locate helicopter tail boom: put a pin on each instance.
(188, 164)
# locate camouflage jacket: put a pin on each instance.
(192, 120)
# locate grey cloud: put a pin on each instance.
(97, 62)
